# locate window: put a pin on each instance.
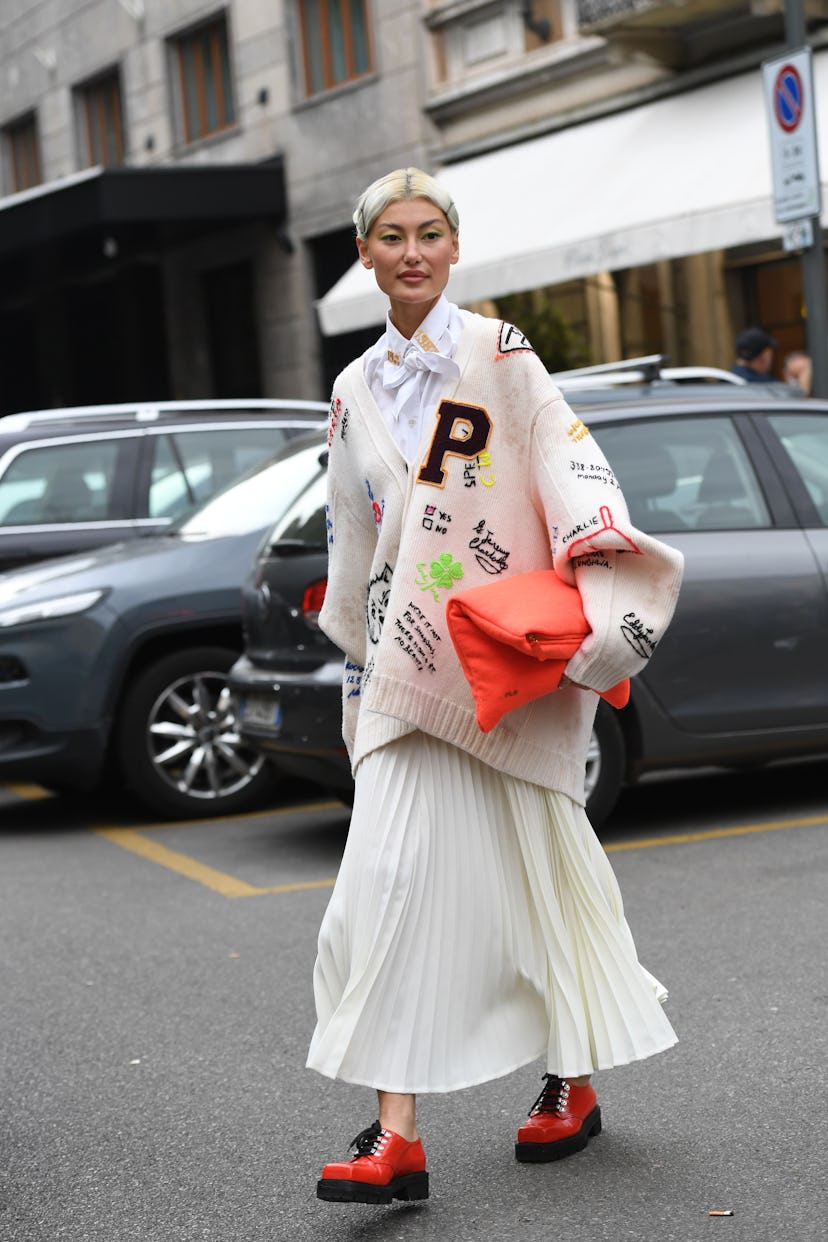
(251, 503)
(305, 522)
(102, 130)
(204, 80)
(479, 37)
(684, 474)
(61, 483)
(335, 42)
(805, 440)
(23, 151)
(189, 467)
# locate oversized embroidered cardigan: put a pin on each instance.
(508, 480)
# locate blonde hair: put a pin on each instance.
(402, 183)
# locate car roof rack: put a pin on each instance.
(643, 370)
(151, 411)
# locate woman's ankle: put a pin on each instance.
(398, 1112)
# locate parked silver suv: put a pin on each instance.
(79, 478)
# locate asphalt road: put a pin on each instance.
(156, 1007)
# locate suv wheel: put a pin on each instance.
(177, 742)
(604, 765)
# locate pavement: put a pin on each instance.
(153, 1030)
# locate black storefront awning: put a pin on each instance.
(102, 199)
(84, 297)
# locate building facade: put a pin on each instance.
(175, 187)
(632, 137)
(177, 179)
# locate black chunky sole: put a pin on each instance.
(541, 1153)
(409, 1186)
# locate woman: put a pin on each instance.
(475, 925)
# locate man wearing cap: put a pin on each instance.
(754, 356)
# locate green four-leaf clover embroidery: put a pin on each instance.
(445, 571)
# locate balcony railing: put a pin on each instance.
(683, 34)
(591, 12)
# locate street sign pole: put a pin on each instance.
(813, 255)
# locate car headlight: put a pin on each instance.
(45, 609)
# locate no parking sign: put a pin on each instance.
(789, 96)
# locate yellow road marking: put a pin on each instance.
(298, 809)
(31, 793)
(713, 834)
(230, 886)
(298, 886)
(218, 881)
(210, 877)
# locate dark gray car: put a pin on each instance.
(114, 663)
(736, 477)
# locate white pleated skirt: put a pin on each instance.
(475, 926)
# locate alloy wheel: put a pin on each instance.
(194, 745)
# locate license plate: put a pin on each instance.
(258, 710)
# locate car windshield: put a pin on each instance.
(258, 498)
(303, 523)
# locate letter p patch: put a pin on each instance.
(462, 431)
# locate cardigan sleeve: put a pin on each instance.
(352, 539)
(352, 542)
(628, 580)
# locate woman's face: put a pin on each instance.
(410, 248)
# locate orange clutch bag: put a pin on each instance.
(514, 638)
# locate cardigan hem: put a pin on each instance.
(502, 748)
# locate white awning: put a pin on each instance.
(680, 176)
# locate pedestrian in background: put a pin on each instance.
(476, 924)
(798, 371)
(754, 356)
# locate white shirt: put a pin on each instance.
(406, 377)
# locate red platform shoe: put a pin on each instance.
(561, 1121)
(385, 1167)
